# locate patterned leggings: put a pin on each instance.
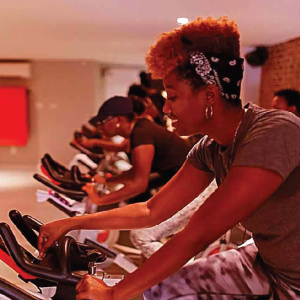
(149, 240)
(235, 274)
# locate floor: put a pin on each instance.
(17, 191)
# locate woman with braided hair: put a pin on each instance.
(257, 175)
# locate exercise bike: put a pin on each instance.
(63, 265)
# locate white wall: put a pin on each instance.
(251, 82)
(64, 95)
(118, 80)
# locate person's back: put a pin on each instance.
(276, 224)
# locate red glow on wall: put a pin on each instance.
(13, 116)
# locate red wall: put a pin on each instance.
(13, 116)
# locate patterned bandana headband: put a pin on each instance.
(221, 71)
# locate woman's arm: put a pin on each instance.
(136, 184)
(121, 178)
(170, 199)
(242, 192)
(106, 145)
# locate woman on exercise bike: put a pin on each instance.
(253, 154)
(152, 147)
(106, 143)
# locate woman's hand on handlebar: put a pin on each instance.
(99, 179)
(49, 234)
(92, 192)
(92, 288)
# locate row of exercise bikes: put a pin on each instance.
(78, 253)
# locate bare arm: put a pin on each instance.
(124, 177)
(136, 184)
(243, 191)
(170, 199)
(106, 145)
(111, 146)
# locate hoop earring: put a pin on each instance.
(209, 112)
(118, 125)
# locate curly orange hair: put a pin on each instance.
(204, 35)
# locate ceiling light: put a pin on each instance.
(182, 21)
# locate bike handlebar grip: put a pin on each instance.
(86, 151)
(14, 292)
(33, 223)
(76, 195)
(48, 157)
(28, 266)
(24, 228)
(15, 250)
(77, 176)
